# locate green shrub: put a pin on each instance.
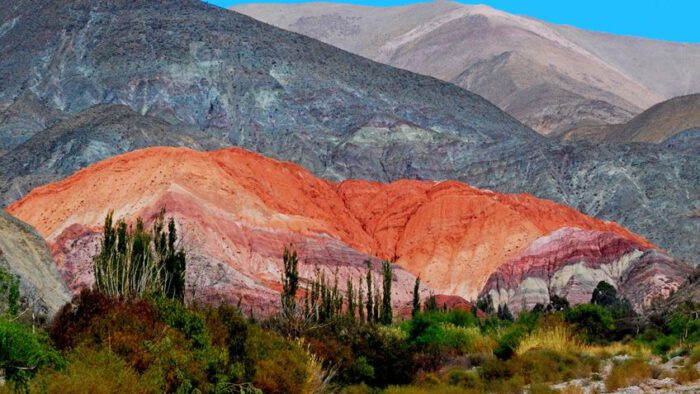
(551, 366)
(663, 344)
(186, 320)
(93, 371)
(24, 350)
(509, 341)
(9, 293)
(684, 327)
(280, 365)
(388, 356)
(593, 320)
(465, 379)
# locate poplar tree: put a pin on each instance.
(386, 312)
(416, 297)
(133, 261)
(360, 304)
(351, 299)
(290, 281)
(370, 294)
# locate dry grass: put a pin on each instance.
(557, 338)
(318, 378)
(628, 373)
(443, 389)
(686, 374)
(561, 339)
(572, 390)
(618, 348)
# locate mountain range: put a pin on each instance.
(88, 80)
(238, 211)
(551, 77)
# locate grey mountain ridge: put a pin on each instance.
(185, 73)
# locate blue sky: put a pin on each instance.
(672, 20)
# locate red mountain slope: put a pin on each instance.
(238, 210)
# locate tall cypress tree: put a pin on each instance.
(416, 297)
(375, 308)
(370, 294)
(431, 304)
(386, 312)
(351, 299)
(360, 304)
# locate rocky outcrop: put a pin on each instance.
(238, 210)
(231, 80)
(570, 262)
(23, 254)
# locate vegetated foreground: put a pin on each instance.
(238, 210)
(324, 341)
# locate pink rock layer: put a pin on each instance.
(571, 262)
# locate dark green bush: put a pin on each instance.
(24, 350)
(594, 321)
(509, 341)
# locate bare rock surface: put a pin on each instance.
(24, 254)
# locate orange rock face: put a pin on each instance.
(238, 209)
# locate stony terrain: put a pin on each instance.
(238, 210)
(551, 77)
(665, 383)
(235, 81)
(24, 254)
(655, 125)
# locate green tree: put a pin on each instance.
(173, 258)
(485, 303)
(604, 294)
(416, 297)
(594, 320)
(431, 304)
(386, 312)
(370, 294)
(351, 299)
(360, 304)
(133, 261)
(375, 308)
(290, 281)
(9, 293)
(504, 313)
(557, 303)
